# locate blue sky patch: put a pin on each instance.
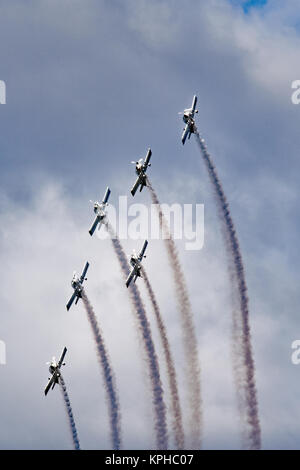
(249, 4)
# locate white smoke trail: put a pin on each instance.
(109, 378)
(244, 370)
(152, 361)
(188, 328)
(171, 372)
(69, 413)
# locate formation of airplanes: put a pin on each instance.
(136, 263)
(77, 283)
(188, 119)
(54, 369)
(100, 211)
(141, 167)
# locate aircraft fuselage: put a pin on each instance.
(52, 368)
(76, 286)
(135, 263)
(99, 209)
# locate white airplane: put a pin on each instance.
(99, 209)
(188, 118)
(135, 262)
(54, 370)
(76, 283)
(140, 169)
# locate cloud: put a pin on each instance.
(89, 88)
(156, 23)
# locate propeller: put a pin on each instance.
(53, 360)
(140, 161)
(133, 253)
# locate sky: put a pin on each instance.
(247, 5)
(90, 85)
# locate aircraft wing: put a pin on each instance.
(143, 249)
(84, 272)
(136, 185)
(194, 103)
(130, 277)
(106, 195)
(94, 226)
(185, 133)
(71, 301)
(62, 357)
(50, 383)
(147, 159)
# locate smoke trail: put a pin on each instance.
(176, 410)
(109, 379)
(69, 413)
(189, 336)
(237, 357)
(144, 327)
(241, 325)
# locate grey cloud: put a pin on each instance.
(90, 85)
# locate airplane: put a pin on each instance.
(135, 262)
(77, 286)
(99, 209)
(54, 370)
(188, 118)
(140, 169)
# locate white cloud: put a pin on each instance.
(93, 97)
